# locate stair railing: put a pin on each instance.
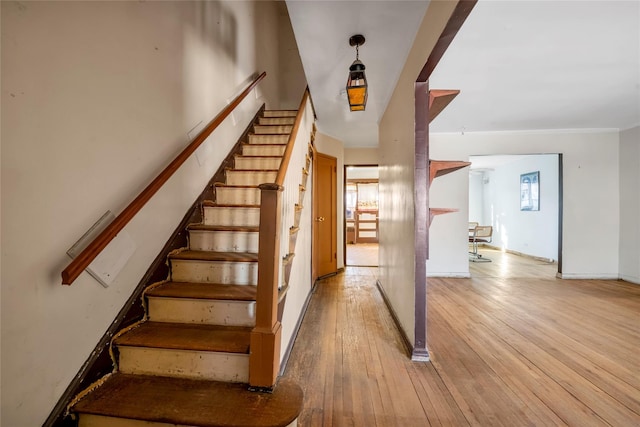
(277, 212)
(82, 261)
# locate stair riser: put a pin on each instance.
(223, 241)
(272, 130)
(237, 196)
(209, 312)
(206, 365)
(257, 163)
(280, 113)
(225, 216)
(225, 272)
(90, 420)
(250, 178)
(268, 139)
(263, 150)
(276, 120)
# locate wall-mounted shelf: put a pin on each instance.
(442, 167)
(438, 101)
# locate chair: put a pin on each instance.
(481, 234)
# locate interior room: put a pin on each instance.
(361, 216)
(523, 216)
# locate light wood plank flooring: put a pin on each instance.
(362, 255)
(512, 346)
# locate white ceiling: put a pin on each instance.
(520, 65)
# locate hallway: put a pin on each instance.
(530, 351)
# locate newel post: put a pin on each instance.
(264, 360)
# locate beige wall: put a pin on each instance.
(396, 160)
(96, 98)
(361, 156)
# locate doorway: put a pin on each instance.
(325, 216)
(500, 198)
(361, 215)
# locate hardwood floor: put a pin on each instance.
(512, 346)
(362, 255)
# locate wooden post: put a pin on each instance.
(264, 360)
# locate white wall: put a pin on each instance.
(333, 147)
(591, 202)
(396, 149)
(476, 197)
(528, 232)
(630, 205)
(97, 97)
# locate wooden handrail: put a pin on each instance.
(81, 262)
(284, 164)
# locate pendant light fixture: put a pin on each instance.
(357, 82)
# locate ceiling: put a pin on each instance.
(520, 65)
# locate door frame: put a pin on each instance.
(344, 204)
(314, 209)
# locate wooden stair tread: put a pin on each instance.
(182, 401)
(212, 204)
(216, 291)
(280, 145)
(215, 256)
(222, 184)
(205, 227)
(188, 336)
(252, 170)
(442, 167)
(258, 157)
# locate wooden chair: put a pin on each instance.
(481, 234)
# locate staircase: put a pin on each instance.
(187, 362)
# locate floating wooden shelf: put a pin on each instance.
(442, 167)
(439, 211)
(438, 100)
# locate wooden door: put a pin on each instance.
(325, 234)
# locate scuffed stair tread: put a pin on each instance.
(253, 170)
(184, 336)
(215, 256)
(193, 402)
(204, 227)
(205, 291)
(212, 204)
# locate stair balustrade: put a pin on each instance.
(277, 218)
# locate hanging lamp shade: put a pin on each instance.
(357, 81)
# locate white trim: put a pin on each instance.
(600, 276)
(532, 131)
(631, 279)
(456, 275)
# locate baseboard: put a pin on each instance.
(580, 276)
(405, 339)
(99, 362)
(292, 341)
(449, 275)
(522, 254)
(631, 279)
